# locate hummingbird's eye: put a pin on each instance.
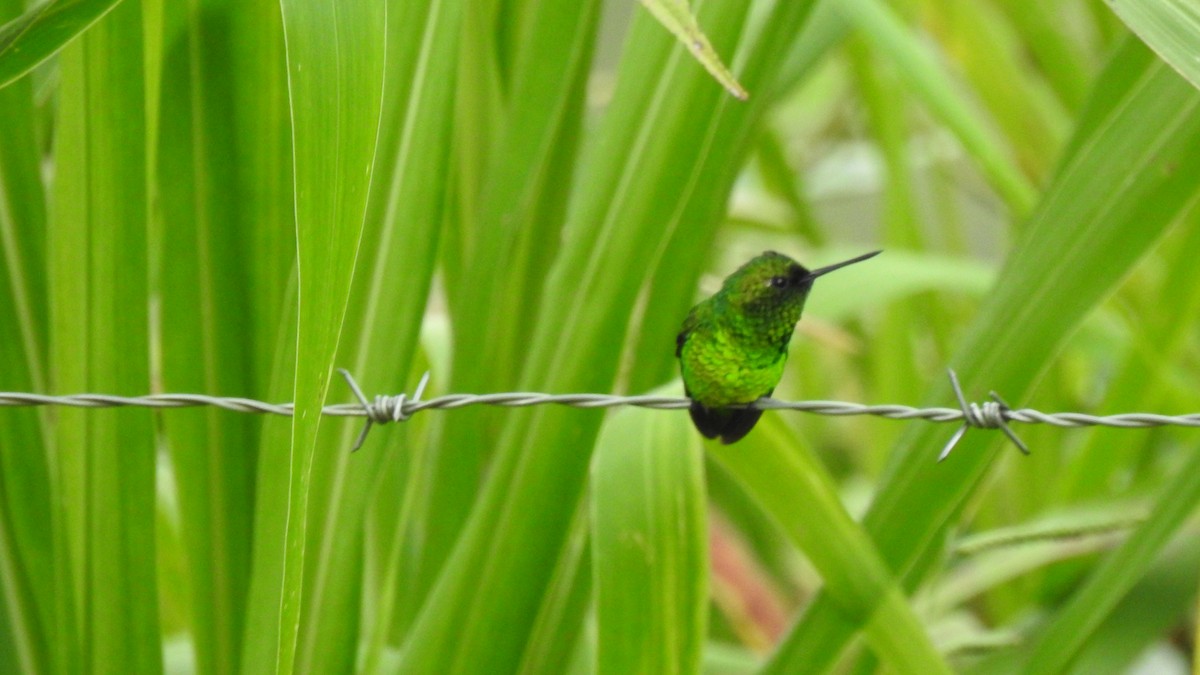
(778, 282)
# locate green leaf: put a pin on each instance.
(40, 32)
(676, 17)
(1163, 597)
(1094, 222)
(27, 582)
(650, 544)
(383, 325)
(98, 265)
(505, 247)
(558, 639)
(1058, 643)
(791, 485)
(335, 96)
(1170, 27)
(203, 336)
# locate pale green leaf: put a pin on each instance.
(98, 266)
(677, 17)
(790, 485)
(1170, 27)
(650, 544)
(40, 32)
(335, 96)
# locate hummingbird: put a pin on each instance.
(733, 345)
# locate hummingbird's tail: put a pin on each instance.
(731, 424)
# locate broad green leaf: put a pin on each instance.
(676, 17)
(558, 639)
(1063, 60)
(1094, 222)
(262, 129)
(1160, 599)
(98, 266)
(1058, 643)
(383, 323)
(505, 246)
(1146, 609)
(205, 343)
(790, 484)
(335, 95)
(262, 169)
(1170, 27)
(649, 544)
(1136, 385)
(40, 32)
(27, 583)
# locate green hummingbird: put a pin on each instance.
(733, 345)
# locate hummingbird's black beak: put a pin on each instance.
(837, 266)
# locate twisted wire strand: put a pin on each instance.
(993, 414)
(525, 399)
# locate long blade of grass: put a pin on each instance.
(1019, 101)
(204, 342)
(98, 342)
(676, 17)
(262, 167)
(1155, 604)
(650, 545)
(506, 246)
(1079, 618)
(263, 170)
(27, 583)
(799, 494)
(43, 30)
(335, 56)
(558, 639)
(1170, 27)
(1136, 384)
(1092, 225)
(383, 324)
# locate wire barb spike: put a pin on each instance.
(383, 409)
(993, 414)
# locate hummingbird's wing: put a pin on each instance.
(689, 324)
(682, 338)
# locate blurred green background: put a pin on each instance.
(233, 198)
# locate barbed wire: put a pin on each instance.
(993, 414)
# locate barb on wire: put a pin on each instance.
(994, 414)
(385, 408)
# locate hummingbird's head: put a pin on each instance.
(774, 287)
(767, 282)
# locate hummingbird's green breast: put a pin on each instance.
(721, 367)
